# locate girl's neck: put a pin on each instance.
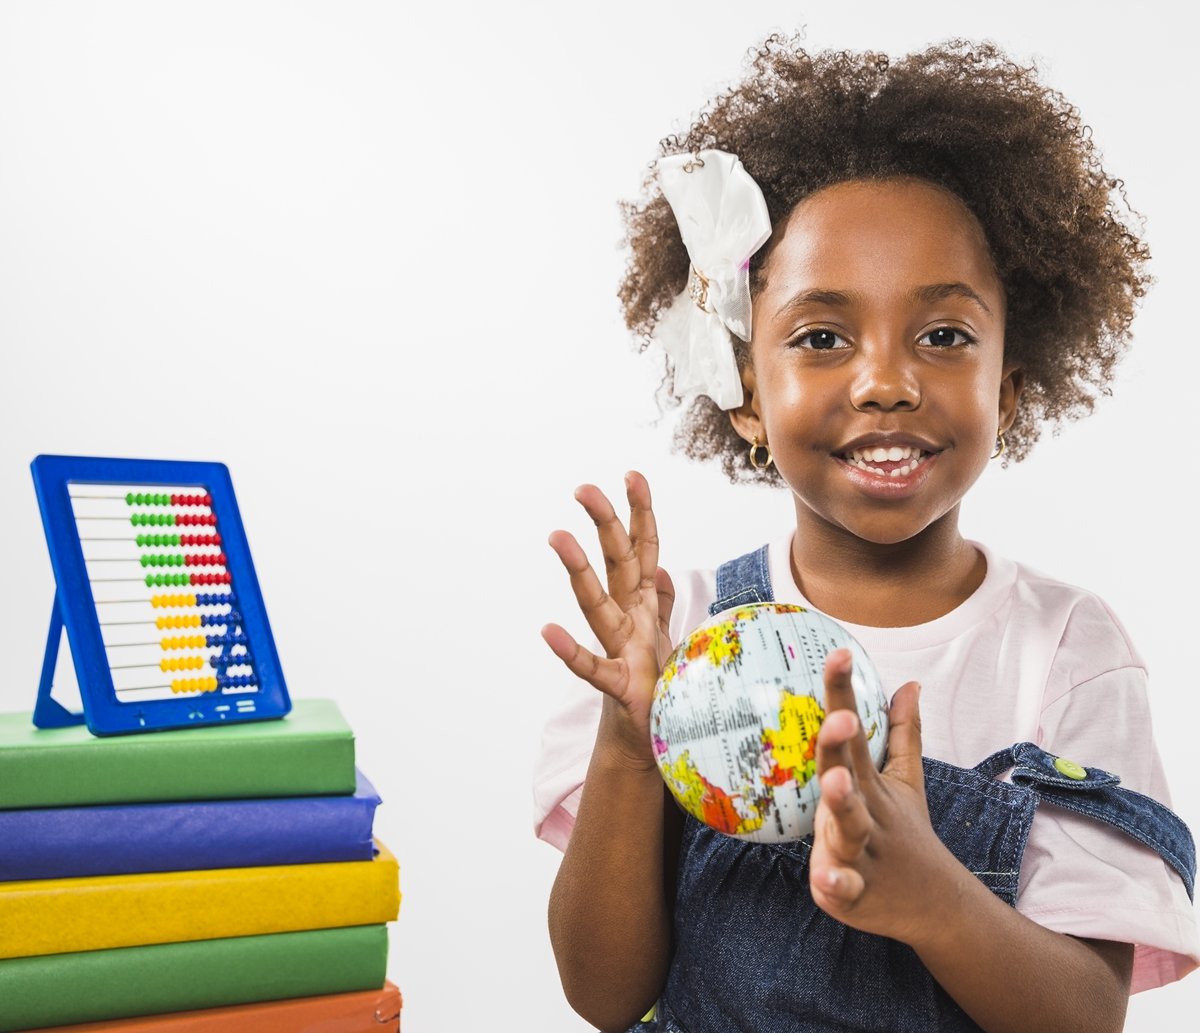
(885, 585)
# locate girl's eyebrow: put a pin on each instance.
(927, 294)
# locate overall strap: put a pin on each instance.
(1099, 794)
(741, 581)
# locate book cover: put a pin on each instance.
(102, 912)
(308, 753)
(118, 839)
(371, 1011)
(58, 989)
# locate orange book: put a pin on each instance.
(368, 1011)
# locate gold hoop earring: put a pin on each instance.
(754, 447)
(1001, 447)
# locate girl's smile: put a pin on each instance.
(877, 374)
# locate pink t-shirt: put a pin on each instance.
(1025, 658)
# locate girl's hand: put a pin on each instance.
(876, 863)
(630, 619)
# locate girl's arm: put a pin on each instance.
(877, 865)
(610, 923)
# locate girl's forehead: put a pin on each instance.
(879, 235)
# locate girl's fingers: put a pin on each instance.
(904, 736)
(845, 821)
(643, 530)
(841, 740)
(622, 564)
(606, 619)
(665, 589)
(606, 675)
(835, 889)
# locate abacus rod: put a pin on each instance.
(108, 538)
(79, 517)
(113, 624)
(237, 690)
(124, 494)
(126, 580)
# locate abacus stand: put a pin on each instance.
(47, 711)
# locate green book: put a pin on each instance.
(308, 753)
(57, 989)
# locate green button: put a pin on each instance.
(1069, 768)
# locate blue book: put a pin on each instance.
(121, 839)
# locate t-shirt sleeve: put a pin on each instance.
(1086, 878)
(562, 763)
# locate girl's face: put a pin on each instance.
(879, 325)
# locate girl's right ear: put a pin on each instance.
(745, 418)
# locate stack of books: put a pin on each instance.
(178, 881)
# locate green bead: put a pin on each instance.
(129, 499)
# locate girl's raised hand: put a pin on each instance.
(876, 862)
(630, 618)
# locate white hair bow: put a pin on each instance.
(723, 220)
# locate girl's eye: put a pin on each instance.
(820, 340)
(947, 337)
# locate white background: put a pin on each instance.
(366, 254)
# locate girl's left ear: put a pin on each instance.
(1012, 380)
(745, 418)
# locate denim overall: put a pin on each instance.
(753, 952)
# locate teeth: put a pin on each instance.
(862, 458)
(880, 455)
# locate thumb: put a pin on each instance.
(904, 735)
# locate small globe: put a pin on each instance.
(736, 712)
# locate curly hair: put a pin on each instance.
(1064, 241)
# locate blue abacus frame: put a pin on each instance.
(75, 609)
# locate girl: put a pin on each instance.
(875, 278)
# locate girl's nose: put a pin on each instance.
(884, 379)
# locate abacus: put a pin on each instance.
(158, 595)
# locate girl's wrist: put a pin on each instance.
(623, 740)
(617, 751)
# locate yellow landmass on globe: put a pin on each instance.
(794, 745)
(706, 802)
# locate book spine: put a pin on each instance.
(60, 916)
(70, 842)
(113, 984)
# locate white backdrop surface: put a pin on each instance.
(366, 254)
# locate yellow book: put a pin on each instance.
(60, 916)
